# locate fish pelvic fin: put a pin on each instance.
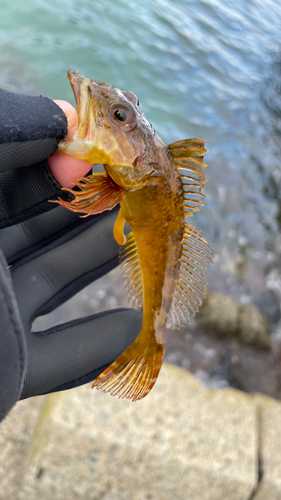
(96, 194)
(191, 286)
(188, 156)
(118, 229)
(133, 374)
(131, 271)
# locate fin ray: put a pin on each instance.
(97, 193)
(133, 374)
(131, 271)
(191, 285)
(187, 156)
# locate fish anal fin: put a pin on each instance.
(191, 286)
(131, 270)
(97, 193)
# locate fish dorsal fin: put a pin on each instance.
(188, 156)
(191, 284)
(97, 193)
(131, 270)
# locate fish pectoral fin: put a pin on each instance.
(118, 229)
(97, 193)
(131, 271)
(188, 156)
(134, 373)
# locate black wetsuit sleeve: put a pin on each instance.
(30, 130)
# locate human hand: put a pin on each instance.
(67, 169)
(53, 254)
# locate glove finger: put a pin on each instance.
(64, 268)
(76, 352)
(25, 192)
(31, 128)
(27, 238)
(17, 154)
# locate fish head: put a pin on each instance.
(113, 130)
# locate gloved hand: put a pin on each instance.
(53, 254)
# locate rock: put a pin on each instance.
(219, 314)
(253, 327)
(227, 318)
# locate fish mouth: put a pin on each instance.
(88, 96)
(86, 123)
(83, 144)
(93, 141)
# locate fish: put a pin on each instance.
(164, 257)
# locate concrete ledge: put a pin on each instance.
(269, 412)
(16, 434)
(181, 442)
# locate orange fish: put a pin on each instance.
(157, 186)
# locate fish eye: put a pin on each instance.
(123, 115)
(120, 115)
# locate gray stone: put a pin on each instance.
(219, 314)
(253, 327)
(227, 318)
(182, 441)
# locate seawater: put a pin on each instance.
(207, 69)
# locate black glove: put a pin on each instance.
(52, 256)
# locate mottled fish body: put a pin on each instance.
(157, 186)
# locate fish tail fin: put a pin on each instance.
(134, 373)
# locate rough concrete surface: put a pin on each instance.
(269, 414)
(15, 436)
(181, 442)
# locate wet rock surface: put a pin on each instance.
(227, 318)
(219, 314)
(253, 328)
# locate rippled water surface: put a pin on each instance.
(208, 69)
